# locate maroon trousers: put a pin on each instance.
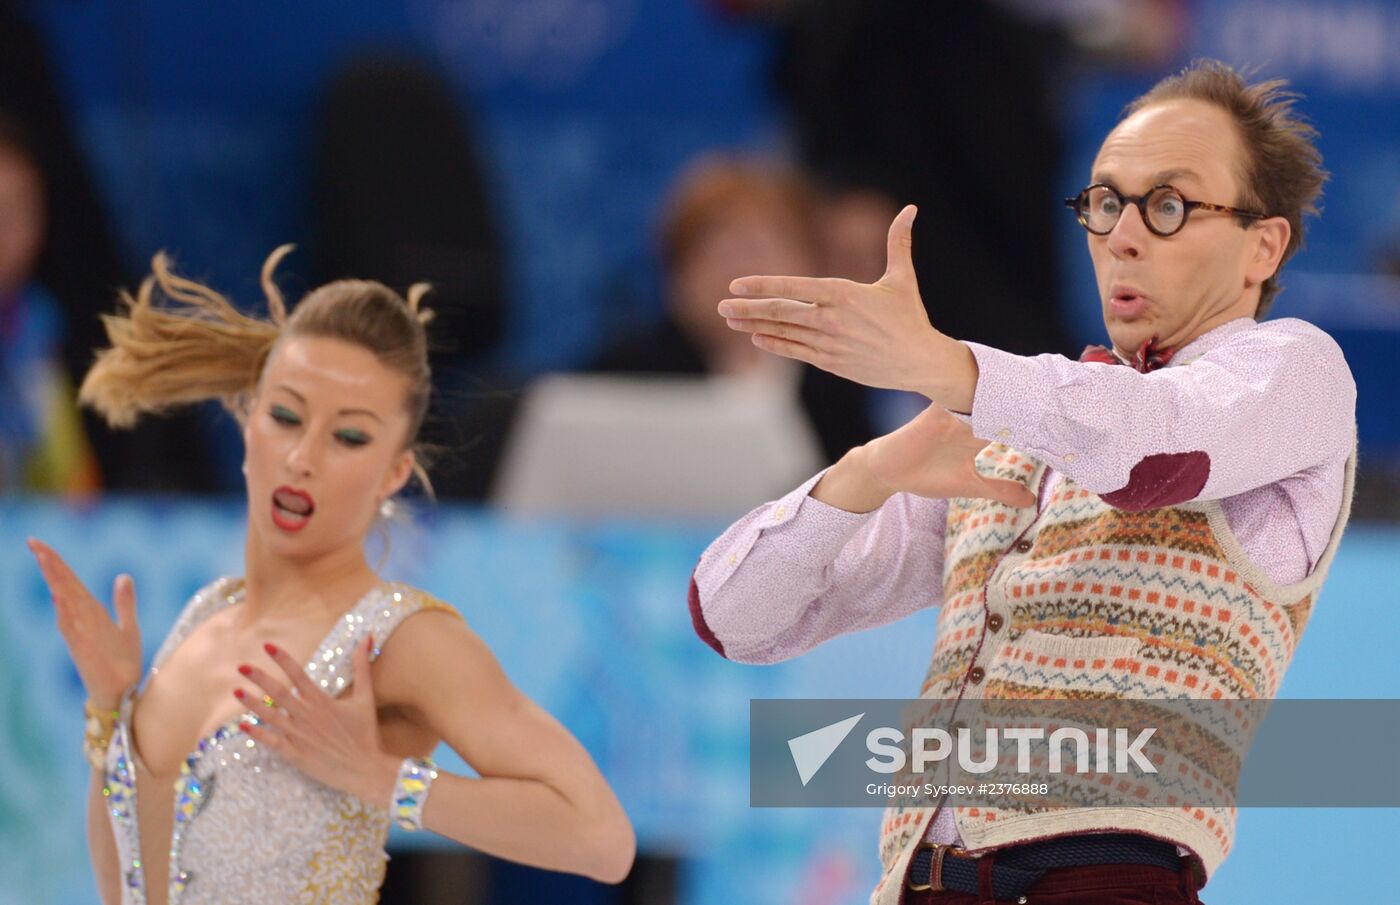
(1095, 884)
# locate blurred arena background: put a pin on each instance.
(580, 179)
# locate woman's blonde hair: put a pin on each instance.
(197, 345)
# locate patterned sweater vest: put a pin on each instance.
(1091, 600)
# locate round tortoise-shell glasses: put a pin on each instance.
(1164, 209)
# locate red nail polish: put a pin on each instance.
(271, 649)
(238, 693)
(246, 670)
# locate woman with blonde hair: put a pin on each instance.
(288, 717)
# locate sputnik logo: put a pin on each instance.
(811, 750)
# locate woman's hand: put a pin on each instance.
(107, 654)
(335, 741)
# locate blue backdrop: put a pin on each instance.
(196, 120)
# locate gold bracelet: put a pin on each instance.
(98, 726)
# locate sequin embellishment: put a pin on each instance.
(416, 776)
(270, 834)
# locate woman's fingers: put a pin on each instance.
(37, 547)
(65, 586)
(294, 673)
(124, 597)
(273, 717)
(59, 576)
(107, 654)
(68, 615)
(265, 733)
(42, 556)
(272, 697)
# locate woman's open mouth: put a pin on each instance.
(291, 508)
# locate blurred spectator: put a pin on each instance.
(1131, 34)
(1388, 259)
(76, 224)
(726, 219)
(950, 106)
(855, 224)
(79, 265)
(42, 444)
(400, 197)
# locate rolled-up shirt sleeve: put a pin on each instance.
(796, 572)
(1266, 403)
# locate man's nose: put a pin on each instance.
(1129, 234)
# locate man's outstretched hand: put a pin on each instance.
(932, 456)
(877, 334)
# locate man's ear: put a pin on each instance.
(1271, 239)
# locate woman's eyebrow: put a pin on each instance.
(302, 399)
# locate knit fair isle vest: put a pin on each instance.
(1089, 600)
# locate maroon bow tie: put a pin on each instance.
(1149, 357)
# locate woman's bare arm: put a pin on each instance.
(101, 846)
(540, 798)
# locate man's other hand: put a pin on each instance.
(932, 456)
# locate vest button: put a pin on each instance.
(1023, 546)
(994, 622)
(976, 674)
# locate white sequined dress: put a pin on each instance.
(249, 827)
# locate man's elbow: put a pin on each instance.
(762, 656)
(1164, 479)
(698, 621)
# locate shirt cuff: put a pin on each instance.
(810, 528)
(824, 528)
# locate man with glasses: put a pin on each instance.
(1159, 530)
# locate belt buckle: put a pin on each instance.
(935, 872)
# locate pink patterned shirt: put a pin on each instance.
(1260, 416)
